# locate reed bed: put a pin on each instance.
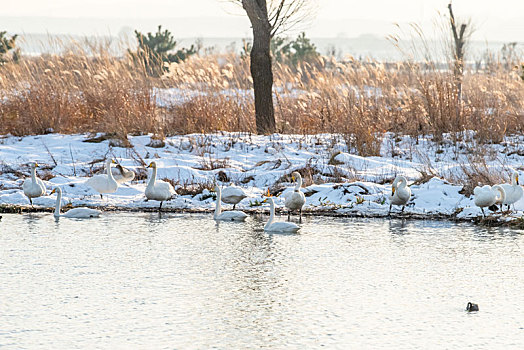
(98, 92)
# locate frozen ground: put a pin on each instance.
(335, 180)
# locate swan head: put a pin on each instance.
(34, 165)
(269, 200)
(152, 165)
(393, 190)
(55, 190)
(295, 175)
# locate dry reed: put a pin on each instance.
(97, 92)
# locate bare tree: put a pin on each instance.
(269, 17)
(460, 38)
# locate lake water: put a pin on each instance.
(137, 280)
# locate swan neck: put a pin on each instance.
(299, 183)
(152, 179)
(514, 179)
(109, 173)
(33, 174)
(271, 214)
(58, 202)
(400, 182)
(218, 206)
(501, 192)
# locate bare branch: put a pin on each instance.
(281, 15)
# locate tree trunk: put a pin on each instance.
(261, 66)
(458, 67)
(262, 73)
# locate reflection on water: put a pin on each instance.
(183, 281)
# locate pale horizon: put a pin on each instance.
(334, 18)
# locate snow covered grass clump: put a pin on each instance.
(441, 174)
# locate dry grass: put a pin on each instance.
(81, 92)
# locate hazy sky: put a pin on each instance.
(494, 20)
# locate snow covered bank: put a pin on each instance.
(335, 180)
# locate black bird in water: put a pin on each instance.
(472, 307)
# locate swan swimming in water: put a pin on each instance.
(33, 187)
(296, 199)
(75, 213)
(513, 191)
(104, 183)
(233, 195)
(277, 226)
(486, 196)
(400, 193)
(158, 190)
(232, 215)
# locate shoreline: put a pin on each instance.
(489, 221)
(337, 182)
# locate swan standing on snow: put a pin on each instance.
(513, 192)
(33, 187)
(233, 195)
(158, 190)
(122, 174)
(77, 213)
(296, 199)
(400, 193)
(486, 196)
(104, 183)
(277, 226)
(232, 215)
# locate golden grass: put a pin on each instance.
(79, 92)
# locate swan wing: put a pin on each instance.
(102, 184)
(233, 195)
(477, 190)
(232, 215)
(233, 191)
(162, 191)
(295, 200)
(283, 227)
(484, 196)
(82, 213)
(513, 193)
(404, 194)
(32, 189)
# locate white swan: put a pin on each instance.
(33, 187)
(77, 213)
(232, 215)
(233, 195)
(104, 183)
(122, 174)
(486, 196)
(295, 200)
(400, 193)
(158, 190)
(277, 226)
(514, 192)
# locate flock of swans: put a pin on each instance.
(503, 194)
(158, 190)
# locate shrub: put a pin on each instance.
(8, 46)
(154, 51)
